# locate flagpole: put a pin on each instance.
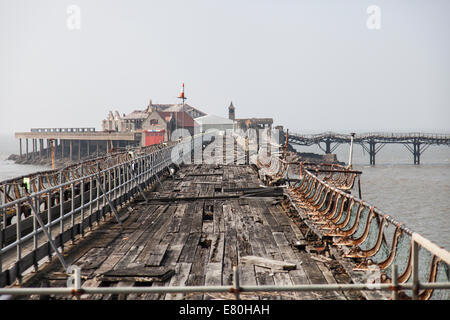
(182, 105)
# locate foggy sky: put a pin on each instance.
(311, 65)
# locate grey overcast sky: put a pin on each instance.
(311, 65)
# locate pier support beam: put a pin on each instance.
(417, 153)
(79, 150)
(71, 150)
(327, 146)
(33, 142)
(20, 147)
(372, 152)
(417, 149)
(41, 147)
(26, 147)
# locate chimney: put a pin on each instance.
(149, 107)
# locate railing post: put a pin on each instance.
(415, 269)
(61, 211)
(82, 208)
(19, 246)
(72, 208)
(236, 286)
(90, 204)
(49, 215)
(394, 282)
(74, 281)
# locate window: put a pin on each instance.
(153, 122)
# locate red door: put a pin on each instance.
(154, 137)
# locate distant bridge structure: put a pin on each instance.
(373, 142)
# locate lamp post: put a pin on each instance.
(350, 158)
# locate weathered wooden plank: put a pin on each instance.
(175, 248)
(270, 246)
(314, 274)
(186, 220)
(153, 236)
(298, 277)
(213, 274)
(197, 218)
(180, 277)
(128, 258)
(190, 248)
(157, 255)
(230, 251)
(264, 276)
(330, 279)
(176, 219)
(242, 235)
(267, 263)
(197, 275)
(279, 215)
(286, 250)
(90, 283)
(283, 279)
(217, 247)
(219, 222)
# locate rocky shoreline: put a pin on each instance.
(59, 163)
(295, 156)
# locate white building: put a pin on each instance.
(211, 121)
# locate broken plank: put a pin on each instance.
(268, 263)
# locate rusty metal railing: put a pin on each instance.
(360, 230)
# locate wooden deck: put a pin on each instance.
(222, 221)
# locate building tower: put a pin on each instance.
(231, 109)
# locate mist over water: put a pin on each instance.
(9, 169)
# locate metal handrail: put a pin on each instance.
(119, 179)
(75, 288)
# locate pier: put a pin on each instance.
(155, 225)
(73, 144)
(372, 143)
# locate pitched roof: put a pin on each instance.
(142, 114)
(181, 118)
(213, 119)
(136, 114)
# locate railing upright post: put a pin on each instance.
(61, 211)
(236, 286)
(35, 240)
(97, 197)
(104, 194)
(72, 209)
(82, 207)
(19, 237)
(394, 282)
(415, 269)
(49, 219)
(90, 204)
